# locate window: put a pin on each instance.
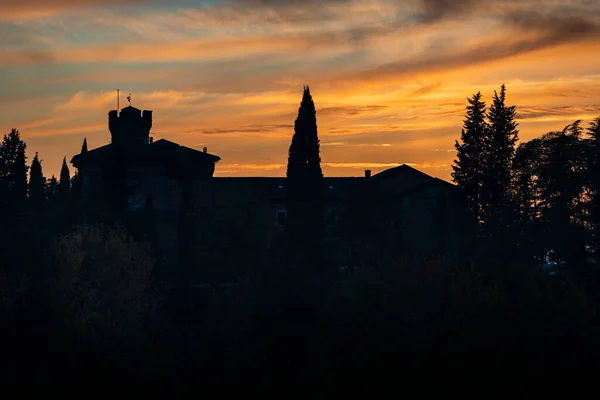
(171, 185)
(281, 217)
(196, 186)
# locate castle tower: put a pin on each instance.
(130, 127)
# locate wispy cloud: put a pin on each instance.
(389, 78)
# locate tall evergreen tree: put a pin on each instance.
(500, 149)
(13, 193)
(65, 178)
(37, 182)
(304, 161)
(468, 168)
(304, 187)
(13, 172)
(84, 147)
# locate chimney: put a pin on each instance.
(367, 173)
(205, 149)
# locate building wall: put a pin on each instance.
(430, 218)
(403, 198)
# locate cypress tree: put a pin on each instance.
(304, 188)
(13, 173)
(37, 182)
(500, 150)
(65, 178)
(304, 161)
(468, 168)
(84, 148)
(13, 192)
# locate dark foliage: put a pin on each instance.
(499, 153)
(93, 303)
(13, 169)
(593, 174)
(37, 183)
(470, 163)
(64, 184)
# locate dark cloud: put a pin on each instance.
(565, 26)
(285, 3)
(533, 32)
(435, 10)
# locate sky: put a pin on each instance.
(390, 78)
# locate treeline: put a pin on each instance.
(89, 299)
(73, 285)
(535, 202)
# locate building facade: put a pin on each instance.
(416, 206)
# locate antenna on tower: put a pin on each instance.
(129, 99)
(118, 98)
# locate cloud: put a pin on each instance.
(426, 89)
(242, 129)
(10, 9)
(352, 110)
(356, 144)
(435, 10)
(524, 38)
(557, 113)
(390, 78)
(362, 165)
(155, 52)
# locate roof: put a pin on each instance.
(97, 153)
(167, 145)
(159, 149)
(401, 169)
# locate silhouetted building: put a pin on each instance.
(160, 167)
(420, 207)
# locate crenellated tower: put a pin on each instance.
(130, 127)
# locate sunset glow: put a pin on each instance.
(389, 78)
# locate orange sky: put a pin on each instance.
(389, 78)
